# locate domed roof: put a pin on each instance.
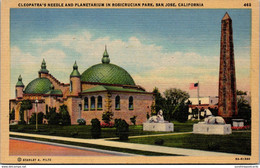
(107, 73)
(38, 85)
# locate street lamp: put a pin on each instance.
(36, 103)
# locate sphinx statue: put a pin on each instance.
(157, 118)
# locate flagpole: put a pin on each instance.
(198, 100)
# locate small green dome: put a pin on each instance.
(75, 72)
(38, 86)
(107, 73)
(19, 82)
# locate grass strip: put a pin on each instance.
(132, 151)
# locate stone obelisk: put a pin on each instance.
(227, 103)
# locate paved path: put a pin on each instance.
(143, 147)
(27, 147)
(142, 136)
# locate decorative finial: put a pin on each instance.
(75, 72)
(75, 66)
(20, 78)
(19, 82)
(43, 67)
(105, 59)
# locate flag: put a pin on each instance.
(194, 86)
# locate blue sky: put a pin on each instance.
(158, 47)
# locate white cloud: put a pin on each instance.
(150, 65)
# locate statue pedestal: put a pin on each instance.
(220, 129)
(161, 127)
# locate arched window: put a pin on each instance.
(99, 105)
(117, 102)
(93, 103)
(70, 86)
(131, 103)
(86, 103)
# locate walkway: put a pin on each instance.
(142, 147)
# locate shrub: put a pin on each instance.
(54, 118)
(246, 127)
(81, 121)
(65, 116)
(20, 129)
(95, 128)
(39, 116)
(12, 114)
(133, 119)
(213, 146)
(122, 129)
(52, 132)
(147, 115)
(159, 142)
(22, 122)
(74, 134)
(107, 116)
(117, 121)
(107, 125)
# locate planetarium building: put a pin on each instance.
(103, 87)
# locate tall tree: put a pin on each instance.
(175, 102)
(243, 108)
(158, 100)
(26, 105)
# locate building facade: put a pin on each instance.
(102, 87)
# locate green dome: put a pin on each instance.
(38, 85)
(107, 73)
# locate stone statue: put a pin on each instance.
(210, 119)
(158, 118)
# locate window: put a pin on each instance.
(99, 105)
(131, 103)
(16, 93)
(117, 102)
(70, 86)
(93, 102)
(85, 103)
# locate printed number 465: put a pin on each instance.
(247, 4)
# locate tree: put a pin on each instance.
(107, 116)
(122, 129)
(95, 128)
(53, 117)
(12, 114)
(39, 118)
(133, 119)
(240, 92)
(174, 101)
(158, 100)
(26, 105)
(64, 115)
(244, 109)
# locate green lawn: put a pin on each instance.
(237, 142)
(76, 131)
(84, 131)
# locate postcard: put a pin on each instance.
(129, 82)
